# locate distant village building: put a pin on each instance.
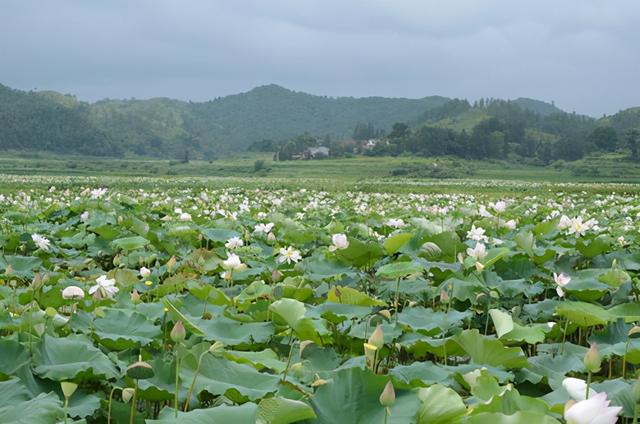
(315, 153)
(370, 144)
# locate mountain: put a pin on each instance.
(168, 128)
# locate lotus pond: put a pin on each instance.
(169, 303)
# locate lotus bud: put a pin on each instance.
(39, 329)
(319, 382)
(370, 352)
(388, 395)
(271, 237)
(178, 333)
(68, 388)
(377, 337)
(297, 370)
(135, 296)
(217, 348)
(127, 394)
(385, 313)
(592, 359)
(479, 267)
(276, 275)
(37, 282)
(140, 371)
(9, 270)
(303, 346)
(170, 264)
(444, 296)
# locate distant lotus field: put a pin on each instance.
(172, 304)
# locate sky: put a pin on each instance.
(582, 54)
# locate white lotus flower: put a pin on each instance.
(105, 287)
(263, 228)
(510, 224)
(233, 262)
(98, 193)
(395, 223)
(40, 241)
(499, 206)
(565, 222)
(234, 242)
(339, 242)
(561, 280)
(477, 234)
(288, 255)
(84, 217)
(185, 216)
(145, 272)
(595, 410)
(478, 252)
(577, 388)
(72, 292)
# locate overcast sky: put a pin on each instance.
(583, 54)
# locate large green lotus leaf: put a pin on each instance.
(583, 314)
(419, 345)
(130, 243)
(188, 324)
(485, 350)
(293, 314)
(13, 356)
(520, 417)
(83, 404)
(12, 392)
(318, 268)
(421, 374)
(628, 311)
(511, 402)
(462, 289)
(396, 241)
(162, 385)
(338, 312)
(219, 235)
(351, 296)
(360, 253)
(44, 408)
(23, 266)
(615, 277)
(123, 329)
(266, 358)
(390, 330)
(64, 358)
(234, 333)
(494, 255)
(351, 396)
(223, 414)
(593, 247)
(399, 269)
(531, 334)
(219, 376)
(440, 405)
(502, 321)
(279, 410)
(449, 243)
(554, 366)
(429, 322)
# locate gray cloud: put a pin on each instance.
(580, 53)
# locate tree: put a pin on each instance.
(399, 130)
(605, 138)
(632, 138)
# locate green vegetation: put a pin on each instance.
(164, 300)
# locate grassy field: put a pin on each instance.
(363, 173)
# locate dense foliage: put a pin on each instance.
(271, 118)
(279, 306)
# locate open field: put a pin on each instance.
(606, 168)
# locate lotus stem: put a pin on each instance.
(132, 414)
(193, 382)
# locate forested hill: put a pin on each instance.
(162, 127)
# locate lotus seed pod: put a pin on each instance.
(68, 388)
(140, 371)
(127, 394)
